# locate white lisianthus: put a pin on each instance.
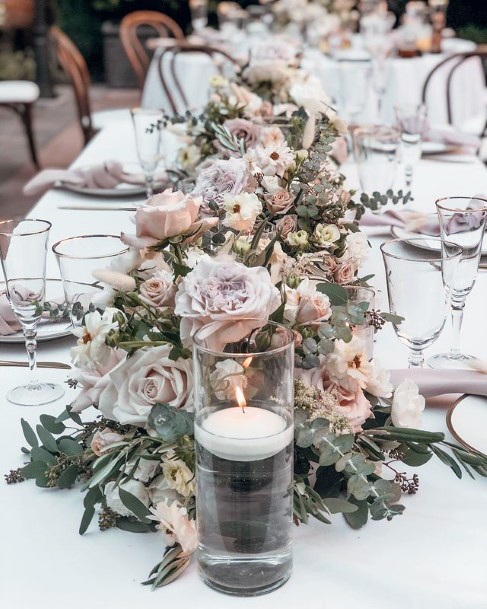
(242, 210)
(348, 366)
(407, 405)
(326, 235)
(134, 487)
(91, 348)
(189, 157)
(298, 239)
(379, 383)
(174, 522)
(357, 247)
(178, 475)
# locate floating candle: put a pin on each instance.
(249, 435)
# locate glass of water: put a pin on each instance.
(412, 121)
(199, 14)
(376, 150)
(462, 221)
(147, 130)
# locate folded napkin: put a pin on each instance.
(413, 221)
(453, 138)
(441, 382)
(106, 175)
(8, 321)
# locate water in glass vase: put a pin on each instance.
(244, 513)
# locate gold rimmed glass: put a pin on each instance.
(462, 221)
(79, 258)
(420, 274)
(23, 250)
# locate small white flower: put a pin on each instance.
(178, 475)
(357, 247)
(189, 157)
(271, 160)
(242, 211)
(379, 383)
(326, 235)
(348, 366)
(407, 405)
(241, 245)
(298, 239)
(218, 82)
(91, 348)
(134, 487)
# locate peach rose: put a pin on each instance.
(287, 225)
(315, 308)
(162, 216)
(344, 273)
(280, 202)
(159, 290)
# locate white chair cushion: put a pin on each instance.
(104, 118)
(18, 91)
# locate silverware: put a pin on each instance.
(97, 208)
(5, 362)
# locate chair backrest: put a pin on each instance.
(75, 68)
(168, 74)
(164, 27)
(451, 65)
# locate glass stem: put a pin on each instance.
(149, 184)
(416, 359)
(30, 335)
(457, 319)
(408, 173)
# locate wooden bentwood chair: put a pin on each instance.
(131, 24)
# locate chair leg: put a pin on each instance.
(26, 115)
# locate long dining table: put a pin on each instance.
(432, 557)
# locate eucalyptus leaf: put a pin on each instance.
(47, 439)
(170, 423)
(337, 505)
(86, 519)
(70, 447)
(359, 518)
(68, 477)
(41, 454)
(33, 469)
(51, 424)
(29, 433)
(135, 505)
(337, 295)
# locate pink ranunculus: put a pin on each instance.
(163, 216)
(228, 297)
(279, 202)
(244, 130)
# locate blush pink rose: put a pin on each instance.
(287, 225)
(163, 216)
(315, 308)
(279, 202)
(344, 273)
(352, 405)
(159, 290)
(103, 440)
(244, 130)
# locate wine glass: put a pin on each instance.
(420, 275)
(199, 14)
(147, 131)
(411, 120)
(78, 259)
(462, 221)
(23, 249)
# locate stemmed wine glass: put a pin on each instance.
(412, 121)
(147, 140)
(23, 249)
(420, 275)
(462, 221)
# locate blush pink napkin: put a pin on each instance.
(442, 382)
(414, 221)
(105, 175)
(453, 138)
(8, 321)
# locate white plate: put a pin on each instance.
(436, 148)
(123, 190)
(46, 330)
(400, 233)
(467, 422)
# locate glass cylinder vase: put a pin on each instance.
(244, 450)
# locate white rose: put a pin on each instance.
(174, 522)
(242, 211)
(379, 383)
(134, 487)
(159, 490)
(145, 470)
(178, 475)
(147, 378)
(407, 405)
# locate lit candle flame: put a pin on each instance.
(239, 396)
(246, 363)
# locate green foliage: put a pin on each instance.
(169, 423)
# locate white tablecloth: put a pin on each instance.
(434, 556)
(404, 85)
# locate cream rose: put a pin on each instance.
(134, 487)
(159, 290)
(149, 377)
(178, 475)
(163, 216)
(228, 297)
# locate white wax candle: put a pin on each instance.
(236, 435)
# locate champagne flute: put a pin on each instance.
(462, 221)
(23, 249)
(411, 120)
(147, 129)
(420, 275)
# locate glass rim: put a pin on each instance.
(46, 223)
(55, 247)
(197, 344)
(439, 205)
(439, 258)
